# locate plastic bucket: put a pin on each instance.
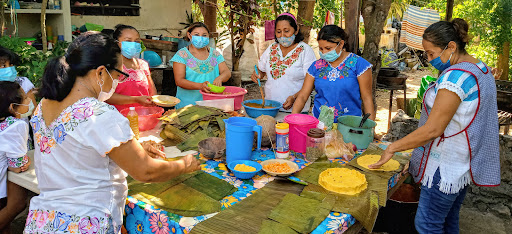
(230, 92)
(348, 125)
(148, 116)
(240, 137)
(299, 127)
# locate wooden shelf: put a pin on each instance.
(35, 11)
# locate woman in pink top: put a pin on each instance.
(137, 89)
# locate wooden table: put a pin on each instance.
(392, 88)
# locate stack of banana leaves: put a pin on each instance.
(189, 125)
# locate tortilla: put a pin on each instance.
(366, 160)
(343, 181)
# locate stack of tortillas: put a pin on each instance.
(366, 160)
(343, 180)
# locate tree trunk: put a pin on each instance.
(2, 13)
(503, 60)
(352, 8)
(210, 15)
(43, 25)
(305, 17)
(449, 10)
(375, 13)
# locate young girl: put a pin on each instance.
(13, 150)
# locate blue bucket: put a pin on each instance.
(240, 138)
(256, 112)
(348, 125)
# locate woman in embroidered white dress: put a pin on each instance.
(457, 141)
(84, 146)
(285, 63)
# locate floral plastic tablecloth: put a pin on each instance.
(143, 218)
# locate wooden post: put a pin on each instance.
(449, 10)
(352, 8)
(210, 15)
(2, 13)
(305, 14)
(43, 25)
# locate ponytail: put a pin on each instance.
(89, 51)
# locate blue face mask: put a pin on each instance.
(438, 64)
(330, 56)
(130, 49)
(286, 41)
(8, 74)
(200, 42)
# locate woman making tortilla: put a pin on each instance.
(457, 141)
(285, 63)
(197, 65)
(138, 87)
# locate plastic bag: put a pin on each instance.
(335, 147)
(326, 118)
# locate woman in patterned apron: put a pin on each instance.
(285, 63)
(457, 141)
(197, 65)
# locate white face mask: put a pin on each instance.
(103, 96)
(31, 108)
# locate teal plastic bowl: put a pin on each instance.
(348, 125)
(256, 112)
(241, 174)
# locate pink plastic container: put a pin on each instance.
(230, 92)
(148, 116)
(299, 127)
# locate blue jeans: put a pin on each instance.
(438, 212)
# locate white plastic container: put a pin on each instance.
(226, 105)
(282, 140)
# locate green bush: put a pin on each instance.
(33, 61)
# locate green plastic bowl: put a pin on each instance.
(216, 89)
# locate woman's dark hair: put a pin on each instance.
(442, 32)
(10, 92)
(299, 37)
(332, 33)
(119, 30)
(8, 55)
(87, 52)
(196, 25)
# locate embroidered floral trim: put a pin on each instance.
(47, 137)
(137, 75)
(17, 162)
(200, 66)
(278, 66)
(326, 71)
(7, 122)
(45, 221)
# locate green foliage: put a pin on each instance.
(33, 61)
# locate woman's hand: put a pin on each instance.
(152, 151)
(384, 158)
(25, 167)
(191, 163)
(255, 77)
(204, 87)
(144, 100)
(217, 81)
(289, 102)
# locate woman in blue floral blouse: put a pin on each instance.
(197, 65)
(341, 79)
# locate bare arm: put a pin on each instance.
(224, 75)
(120, 99)
(445, 106)
(365, 87)
(181, 81)
(152, 87)
(255, 77)
(132, 158)
(303, 94)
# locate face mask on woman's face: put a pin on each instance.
(130, 49)
(286, 41)
(8, 74)
(438, 64)
(332, 55)
(103, 96)
(200, 41)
